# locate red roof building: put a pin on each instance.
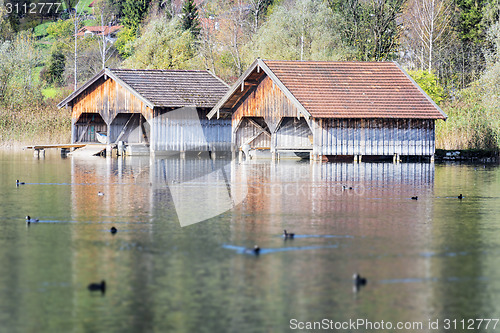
(331, 108)
(99, 30)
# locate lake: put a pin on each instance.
(179, 261)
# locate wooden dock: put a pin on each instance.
(58, 146)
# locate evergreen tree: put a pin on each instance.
(190, 18)
(55, 68)
(471, 14)
(133, 13)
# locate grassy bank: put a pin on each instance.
(471, 123)
(45, 124)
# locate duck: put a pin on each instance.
(19, 183)
(100, 194)
(256, 250)
(460, 196)
(287, 235)
(414, 198)
(113, 230)
(97, 286)
(358, 280)
(30, 220)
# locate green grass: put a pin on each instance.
(50, 92)
(41, 29)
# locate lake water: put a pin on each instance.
(436, 258)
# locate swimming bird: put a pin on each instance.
(19, 183)
(287, 235)
(256, 250)
(113, 230)
(414, 198)
(97, 286)
(100, 194)
(460, 196)
(30, 220)
(358, 280)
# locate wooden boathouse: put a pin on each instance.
(324, 108)
(165, 110)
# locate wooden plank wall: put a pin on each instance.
(108, 98)
(179, 130)
(376, 137)
(268, 101)
(133, 132)
(248, 130)
(95, 124)
(294, 133)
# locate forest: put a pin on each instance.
(450, 47)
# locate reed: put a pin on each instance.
(470, 124)
(43, 124)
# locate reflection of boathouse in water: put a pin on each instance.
(165, 109)
(326, 109)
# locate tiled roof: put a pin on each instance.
(329, 89)
(99, 30)
(174, 88)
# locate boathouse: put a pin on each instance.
(324, 108)
(165, 110)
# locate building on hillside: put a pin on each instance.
(325, 109)
(165, 110)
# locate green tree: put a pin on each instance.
(471, 15)
(164, 44)
(134, 12)
(371, 26)
(306, 30)
(190, 18)
(54, 73)
(429, 83)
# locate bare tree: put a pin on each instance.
(427, 23)
(76, 16)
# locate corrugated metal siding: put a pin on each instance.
(376, 137)
(294, 133)
(187, 129)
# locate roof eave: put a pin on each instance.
(96, 77)
(444, 116)
(236, 86)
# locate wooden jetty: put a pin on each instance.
(326, 108)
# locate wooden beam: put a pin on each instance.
(124, 129)
(253, 122)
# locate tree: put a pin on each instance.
(134, 12)
(190, 18)
(18, 60)
(370, 25)
(429, 83)
(427, 24)
(471, 14)
(164, 44)
(258, 8)
(306, 30)
(55, 67)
